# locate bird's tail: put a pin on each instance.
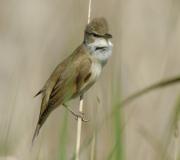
(36, 132)
(42, 119)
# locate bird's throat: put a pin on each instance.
(101, 49)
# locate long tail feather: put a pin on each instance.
(42, 119)
(36, 132)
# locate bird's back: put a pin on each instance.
(65, 82)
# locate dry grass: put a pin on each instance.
(36, 35)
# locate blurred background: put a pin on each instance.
(37, 35)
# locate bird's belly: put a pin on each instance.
(96, 69)
(95, 72)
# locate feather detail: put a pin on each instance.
(36, 132)
(38, 93)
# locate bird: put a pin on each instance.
(78, 72)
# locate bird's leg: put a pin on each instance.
(81, 115)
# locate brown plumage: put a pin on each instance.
(72, 77)
(64, 83)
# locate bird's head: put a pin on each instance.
(97, 38)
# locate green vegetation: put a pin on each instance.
(63, 138)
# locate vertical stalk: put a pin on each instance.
(79, 123)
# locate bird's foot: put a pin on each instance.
(81, 115)
(77, 115)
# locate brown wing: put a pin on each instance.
(83, 76)
(72, 83)
(51, 83)
(46, 92)
(61, 87)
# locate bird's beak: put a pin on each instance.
(107, 35)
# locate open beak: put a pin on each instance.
(107, 35)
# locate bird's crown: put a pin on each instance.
(98, 26)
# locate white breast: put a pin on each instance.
(103, 54)
(96, 69)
